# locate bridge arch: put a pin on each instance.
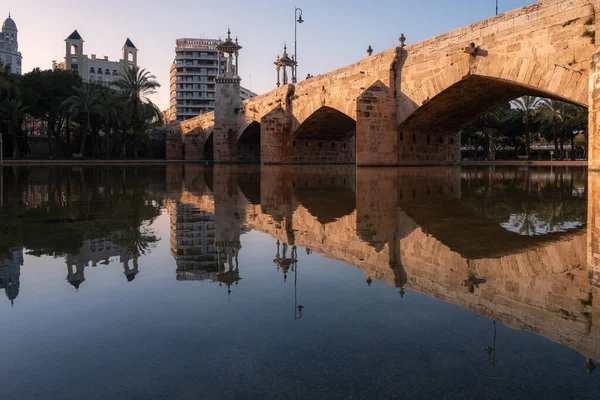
(476, 84)
(325, 136)
(249, 143)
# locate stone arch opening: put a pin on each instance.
(326, 136)
(249, 143)
(74, 49)
(130, 57)
(209, 154)
(434, 126)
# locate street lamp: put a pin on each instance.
(297, 20)
(496, 7)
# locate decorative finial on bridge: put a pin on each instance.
(402, 39)
(370, 50)
(472, 49)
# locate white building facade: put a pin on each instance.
(93, 69)
(9, 46)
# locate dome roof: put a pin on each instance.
(9, 23)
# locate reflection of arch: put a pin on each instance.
(327, 123)
(209, 149)
(473, 86)
(327, 204)
(249, 184)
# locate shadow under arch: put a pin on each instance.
(465, 101)
(249, 143)
(327, 204)
(326, 136)
(209, 154)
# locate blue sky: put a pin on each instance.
(335, 32)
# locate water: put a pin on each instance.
(184, 282)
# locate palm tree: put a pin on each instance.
(136, 85)
(84, 102)
(12, 111)
(553, 112)
(113, 114)
(527, 106)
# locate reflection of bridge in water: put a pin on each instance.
(430, 231)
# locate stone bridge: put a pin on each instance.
(406, 105)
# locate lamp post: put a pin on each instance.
(1, 172)
(496, 7)
(297, 20)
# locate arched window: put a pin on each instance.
(130, 56)
(74, 49)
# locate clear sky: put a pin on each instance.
(335, 32)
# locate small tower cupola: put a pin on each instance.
(230, 48)
(10, 31)
(130, 53)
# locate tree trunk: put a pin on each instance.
(135, 147)
(107, 136)
(83, 134)
(14, 143)
(527, 140)
(124, 144)
(68, 134)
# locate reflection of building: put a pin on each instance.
(193, 243)
(9, 46)
(99, 251)
(10, 271)
(93, 69)
(198, 253)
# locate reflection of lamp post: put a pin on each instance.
(298, 308)
(492, 349)
(297, 20)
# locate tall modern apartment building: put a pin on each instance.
(193, 74)
(9, 46)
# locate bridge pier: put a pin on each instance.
(594, 114)
(275, 140)
(376, 133)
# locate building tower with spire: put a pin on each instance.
(228, 103)
(94, 69)
(9, 46)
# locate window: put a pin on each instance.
(428, 139)
(441, 140)
(401, 136)
(294, 143)
(414, 138)
(451, 140)
(333, 145)
(92, 70)
(99, 71)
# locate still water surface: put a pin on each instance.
(183, 282)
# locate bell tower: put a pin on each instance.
(74, 52)
(228, 104)
(130, 54)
